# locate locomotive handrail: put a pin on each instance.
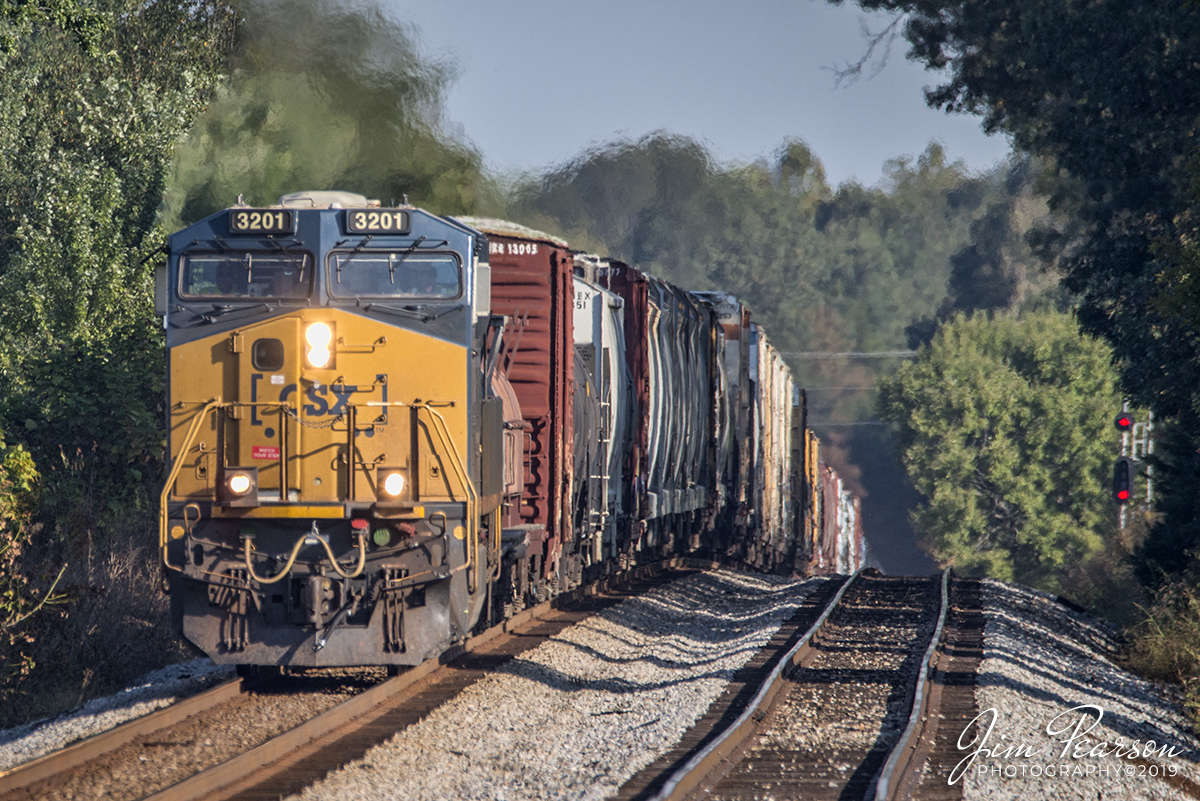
(447, 442)
(443, 432)
(210, 406)
(176, 466)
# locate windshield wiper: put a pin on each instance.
(392, 265)
(219, 309)
(429, 316)
(297, 262)
(415, 314)
(341, 265)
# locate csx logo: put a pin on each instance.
(323, 400)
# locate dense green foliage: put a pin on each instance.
(1004, 426)
(325, 95)
(824, 269)
(18, 507)
(1109, 92)
(94, 97)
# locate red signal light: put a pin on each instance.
(1122, 479)
(1124, 421)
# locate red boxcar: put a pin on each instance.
(533, 285)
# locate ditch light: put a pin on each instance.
(240, 486)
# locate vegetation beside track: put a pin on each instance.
(121, 119)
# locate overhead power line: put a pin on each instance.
(870, 387)
(873, 354)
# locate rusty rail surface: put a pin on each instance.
(232, 777)
(692, 775)
(97, 745)
(221, 780)
(900, 761)
(688, 777)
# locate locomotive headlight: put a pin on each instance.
(392, 484)
(240, 486)
(318, 336)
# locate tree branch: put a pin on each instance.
(874, 40)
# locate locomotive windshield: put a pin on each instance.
(247, 275)
(399, 274)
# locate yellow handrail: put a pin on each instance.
(176, 466)
(443, 432)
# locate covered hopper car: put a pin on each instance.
(389, 428)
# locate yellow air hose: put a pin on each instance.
(362, 559)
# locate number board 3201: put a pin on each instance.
(376, 221)
(262, 221)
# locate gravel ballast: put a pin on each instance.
(150, 693)
(1047, 673)
(580, 714)
(583, 712)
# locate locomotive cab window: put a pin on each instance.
(247, 275)
(434, 276)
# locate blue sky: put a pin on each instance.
(541, 80)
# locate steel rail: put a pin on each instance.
(97, 745)
(899, 759)
(220, 780)
(688, 777)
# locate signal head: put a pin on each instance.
(1122, 486)
(1124, 421)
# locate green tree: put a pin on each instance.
(1108, 94)
(1004, 426)
(822, 269)
(94, 97)
(326, 95)
(18, 509)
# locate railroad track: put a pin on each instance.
(845, 656)
(851, 710)
(302, 754)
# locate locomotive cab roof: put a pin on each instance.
(327, 200)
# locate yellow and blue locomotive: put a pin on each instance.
(335, 456)
(386, 428)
